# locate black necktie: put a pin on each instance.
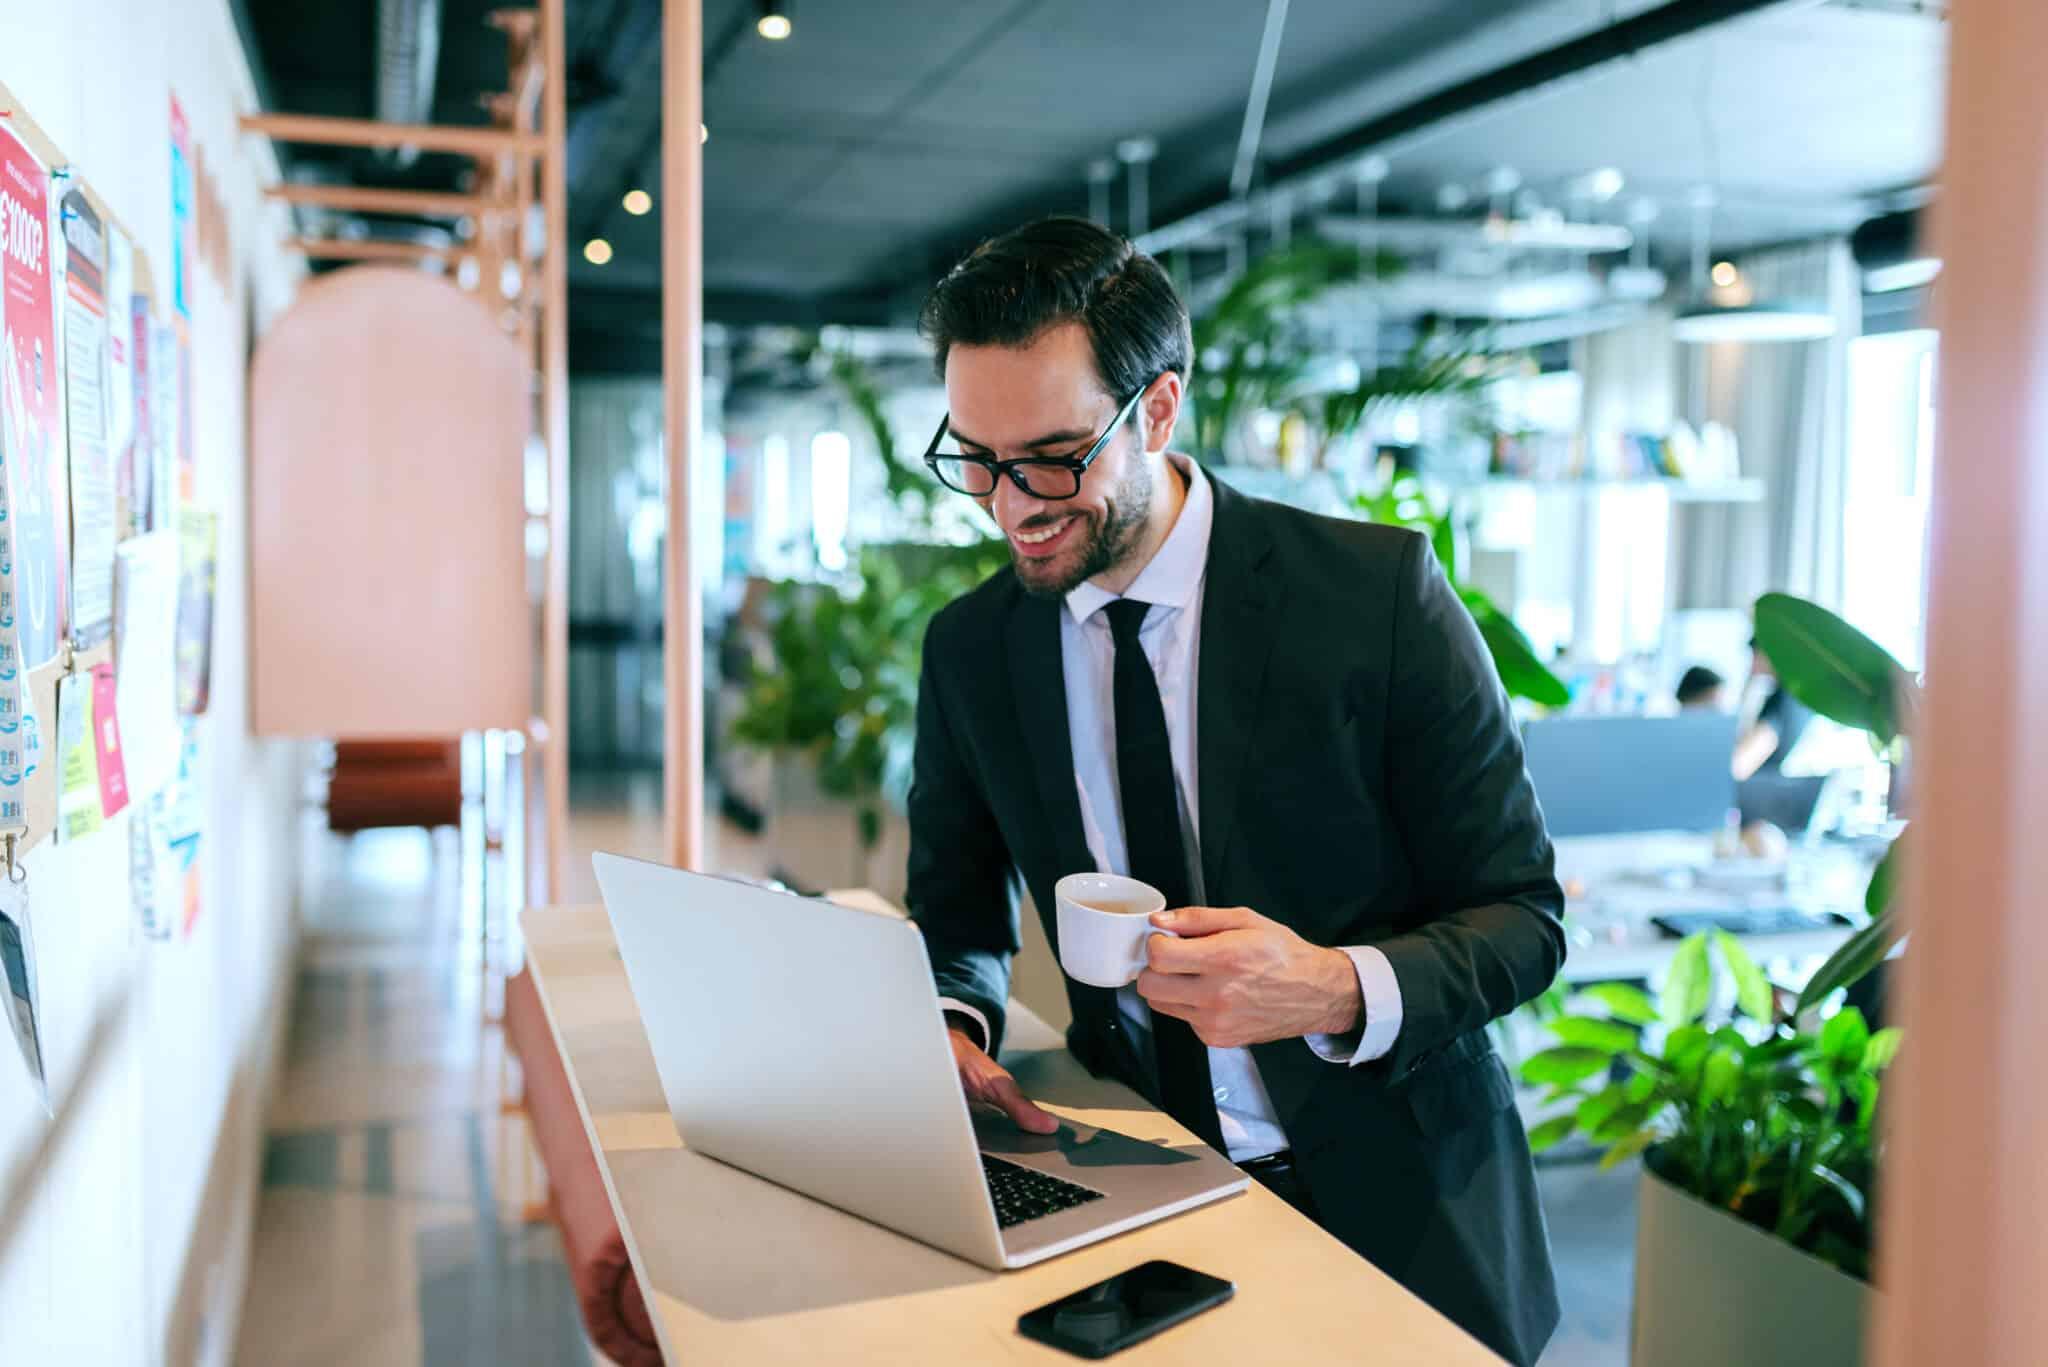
(1152, 842)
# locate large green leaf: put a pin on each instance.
(1720, 1077)
(1858, 954)
(1831, 666)
(1687, 984)
(1552, 1132)
(1521, 672)
(1852, 1196)
(1626, 1121)
(1844, 1038)
(1564, 1065)
(1628, 1148)
(1752, 988)
(1624, 1002)
(1883, 1048)
(1877, 898)
(1605, 1036)
(1594, 1111)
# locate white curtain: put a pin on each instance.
(1786, 402)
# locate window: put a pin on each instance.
(1884, 515)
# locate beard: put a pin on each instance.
(1109, 537)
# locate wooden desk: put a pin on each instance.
(738, 1270)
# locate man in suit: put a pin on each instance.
(1288, 724)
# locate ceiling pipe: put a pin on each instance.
(1386, 132)
(1255, 107)
(408, 52)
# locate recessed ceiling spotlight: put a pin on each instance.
(597, 251)
(774, 22)
(1605, 183)
(1724, 273)
(638, 202)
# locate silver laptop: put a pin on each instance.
(803, 1041)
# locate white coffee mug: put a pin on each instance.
(1105, 922)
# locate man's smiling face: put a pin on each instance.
(1046, 399)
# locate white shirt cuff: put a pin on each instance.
(1381, 992)
(950, 1004)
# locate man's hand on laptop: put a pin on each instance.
(989, 1083)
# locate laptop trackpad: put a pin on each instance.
(1077, 1146)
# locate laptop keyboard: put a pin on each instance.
(1022, 1193)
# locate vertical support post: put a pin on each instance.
(554, 651)
(682, 368)
(1964, 1238)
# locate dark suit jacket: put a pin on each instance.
(1361, 781)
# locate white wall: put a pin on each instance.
(133, 1243)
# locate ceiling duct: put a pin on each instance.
(408, 51)
(1538, 234)
(1386, 132)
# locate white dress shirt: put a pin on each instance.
(1172, 582)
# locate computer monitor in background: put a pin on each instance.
(1616, 775)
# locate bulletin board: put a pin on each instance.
(40, 789)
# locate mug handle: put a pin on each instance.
(1143, 958)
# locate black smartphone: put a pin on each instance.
(1114, 1314)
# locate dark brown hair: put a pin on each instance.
(1010, 289)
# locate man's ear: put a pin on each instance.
(1161, 407)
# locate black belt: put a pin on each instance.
(1271, 1165)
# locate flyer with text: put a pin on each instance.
(85, 391)
(32, 440)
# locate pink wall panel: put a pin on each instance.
(388, 420)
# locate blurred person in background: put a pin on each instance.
(1702, 690)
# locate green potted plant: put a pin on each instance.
(836, 690)
(1759, 1144)
(1848, 678)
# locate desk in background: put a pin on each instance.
(736, 1269)
(1615, 884)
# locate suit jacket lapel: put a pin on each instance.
(1039, 695)
(1240, 610)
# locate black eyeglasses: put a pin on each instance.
(1044, 477)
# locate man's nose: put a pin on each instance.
(1013, 507)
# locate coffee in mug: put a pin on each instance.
(1104, 922)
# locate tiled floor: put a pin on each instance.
(389, 1231)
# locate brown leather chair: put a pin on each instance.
(395, 783)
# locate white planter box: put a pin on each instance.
(1712, 1290)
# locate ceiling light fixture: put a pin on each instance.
(597, 251)
(638, 202)
(774, 23)
(1706, 319)
(1724, 274)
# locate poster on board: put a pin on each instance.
(32, 440)
(85, 301)
(142, 449)
(78, 768)
(182, 809)
(165, 422)
(17, 724)
(146, 661)
(197, 529)
(121, 372)
(22, 1000)
(181, 211)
